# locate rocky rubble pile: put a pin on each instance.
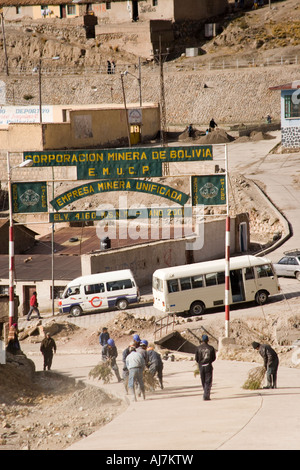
(47, 411)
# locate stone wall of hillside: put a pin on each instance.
(230, 96)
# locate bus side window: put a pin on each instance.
(264, 271)
(210, 279)
(173, 285)
(221, 277)
(249, 273)
(185, 283)
(197, 281)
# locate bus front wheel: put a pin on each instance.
(261, 297)
(76, 311)
(197, 308)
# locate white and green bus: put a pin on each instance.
(196, 287)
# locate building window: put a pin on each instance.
(71, 9)
(108, 5)
(18, 10)
(4, 290)
(58, 290)
(154, 3)
(291, 106)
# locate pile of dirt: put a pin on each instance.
(47, 411)
(124, 326)
(218, 136)
(36, 331)
(255, 136)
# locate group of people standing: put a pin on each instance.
(139, 355)
(136, 357)
(206, 355)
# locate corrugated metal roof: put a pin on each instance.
(39, 267)
(88, 240)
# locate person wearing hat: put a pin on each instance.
(271, 362)
(48, 347)
(205, 356)
(142, 349)
(135, 364)
(110, 353)
(136, 340)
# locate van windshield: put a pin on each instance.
(74, 290)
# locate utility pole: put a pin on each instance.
(4, 42)
(163, 119)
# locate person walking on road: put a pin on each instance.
(271, 362)
(33, 306)
(135, 364)
(205, 356)
(110, 354)
(48, 348)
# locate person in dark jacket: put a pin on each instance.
(104, 337)
(110, 353)
(155, 365)
(13, 345)
(271, 362)
(205, 356)
(48, 347)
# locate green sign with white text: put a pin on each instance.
(120, 163)
(121, 214)
(208, 190)
(29, 197)
(102, 186)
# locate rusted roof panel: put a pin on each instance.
(287, 86)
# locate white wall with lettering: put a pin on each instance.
(25, 114)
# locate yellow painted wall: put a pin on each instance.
(90, 128)
(87, 128)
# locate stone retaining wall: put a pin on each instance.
(229, 96)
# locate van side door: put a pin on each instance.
(94, 297)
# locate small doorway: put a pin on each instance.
(237, 285)
(135, 134)
(243, 235)
(63, 11)
(27, 293)
(135, 11)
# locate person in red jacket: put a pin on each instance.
(33, 306)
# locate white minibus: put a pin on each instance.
(95, 292)
(196, 287)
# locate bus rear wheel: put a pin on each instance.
(122, 304)
(261, 297)
(197, 308)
